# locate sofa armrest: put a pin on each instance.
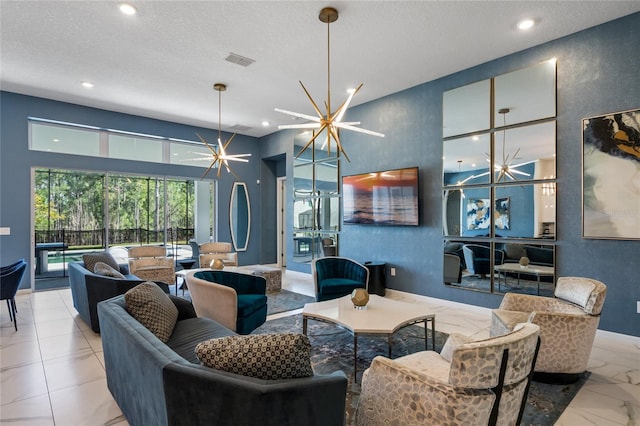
(199, 395)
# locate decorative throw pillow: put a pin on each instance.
(453, 341)
(150, 305)
(264, 356)
(90, 260)
(102, 268)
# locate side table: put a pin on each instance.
(377, 277)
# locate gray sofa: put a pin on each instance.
(163, 384)
(88, 288)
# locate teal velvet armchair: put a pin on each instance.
(337, 276)
(236, 300)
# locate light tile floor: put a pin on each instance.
(52, 368)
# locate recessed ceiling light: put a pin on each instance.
(526, 24)
(265, 123)
(87, 84)
(127, 9)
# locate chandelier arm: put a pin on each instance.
(208, 169)
(299, 115)
(315, 106)
(300, 126)
(343, 108)
(229, 141)
(358, 129)
(313, 138)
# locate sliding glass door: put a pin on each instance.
(83, 212)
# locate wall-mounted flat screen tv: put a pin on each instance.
(387, 197)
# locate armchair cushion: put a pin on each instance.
(148, 304)
(584, 292)
(102, 268)
(264, 356)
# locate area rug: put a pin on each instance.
(277, 301)
(332, 349)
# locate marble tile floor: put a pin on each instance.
(52, 368)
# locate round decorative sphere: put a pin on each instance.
(359, 298)
(217, 264)
(524, 261)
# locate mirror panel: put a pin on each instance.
(326, 178)
(316, 204)
(533, 275)
(466, 109)
(240, 216)
(525, 211)
(468, 264)
(529, 93)
(465, 160)
(467, 212)
(525, 153)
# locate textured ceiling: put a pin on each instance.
(162, 63)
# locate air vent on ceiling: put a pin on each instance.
(240, 60)
(239, 128)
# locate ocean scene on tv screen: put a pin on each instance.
(381, 198)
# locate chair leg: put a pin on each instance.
(11, 313)
(11, 304)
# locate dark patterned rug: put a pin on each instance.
(332, 349)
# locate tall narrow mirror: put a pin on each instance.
(240, 216)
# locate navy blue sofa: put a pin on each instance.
(88, 288)
(163, 384)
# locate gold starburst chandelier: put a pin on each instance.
(220, 158)
(331, 122)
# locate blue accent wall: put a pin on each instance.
(597, 73)
(16, 161)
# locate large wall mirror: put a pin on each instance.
(316, 199)
(499, 181)
(240, 216)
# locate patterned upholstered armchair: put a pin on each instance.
(152, 264)
(568, 324)
(337, 276)
(211, 251)
(470, 382)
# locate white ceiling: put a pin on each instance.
(162, 62)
